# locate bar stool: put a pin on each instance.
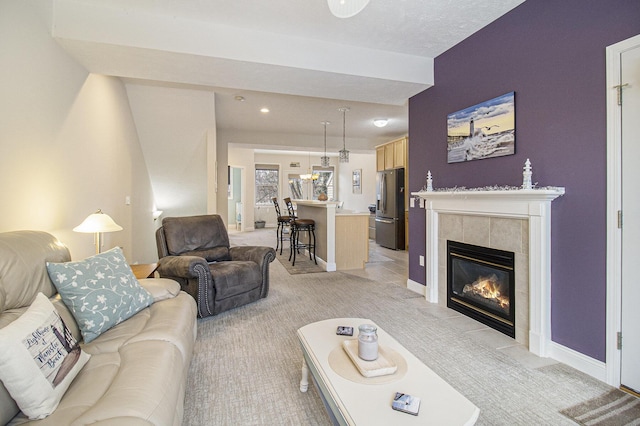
(283, 221)
(299, 226)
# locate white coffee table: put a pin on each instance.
(353, 399)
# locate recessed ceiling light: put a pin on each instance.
(264, 110)
(239, 98)
(380, 122)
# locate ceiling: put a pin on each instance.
(293, 57)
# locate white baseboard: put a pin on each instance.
(581, 362)
(327, 266)
(416, 287)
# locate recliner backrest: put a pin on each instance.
(204, 236)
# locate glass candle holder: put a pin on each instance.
(368, 342)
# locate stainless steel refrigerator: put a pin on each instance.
(390, 209)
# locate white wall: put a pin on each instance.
(358, 202)
(173, 125)
(68, 144)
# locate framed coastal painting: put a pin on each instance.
(485, 130)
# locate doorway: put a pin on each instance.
(235, 206)
(623, 202)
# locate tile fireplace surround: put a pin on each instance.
(513, 220)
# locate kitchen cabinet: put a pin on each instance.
(380, 158)
(341, 236)
(389, 161)
(399, 153)
(392, 155)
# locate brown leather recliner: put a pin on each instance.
(195, 251)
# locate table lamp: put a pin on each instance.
(97, 223)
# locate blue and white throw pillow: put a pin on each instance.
(100, 291)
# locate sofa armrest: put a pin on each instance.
(160, 288)
(260, 254)
(181, 266)
(192, 272)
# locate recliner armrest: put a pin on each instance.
(258, 254)
(180, 266)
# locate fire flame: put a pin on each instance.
(489, 288)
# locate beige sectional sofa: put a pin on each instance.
(137, 370)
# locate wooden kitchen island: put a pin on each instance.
(342, 236)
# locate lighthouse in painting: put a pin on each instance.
(490, 126)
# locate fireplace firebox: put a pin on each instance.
(481, 284)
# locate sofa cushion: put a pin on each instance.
(24, 254)
(235, 277)
(39, 359)
(101, 291)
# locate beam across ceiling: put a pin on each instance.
(136, 43)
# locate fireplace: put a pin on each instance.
(514, 220)
(481, 284)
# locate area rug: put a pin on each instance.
(303, 264)
(614, 408)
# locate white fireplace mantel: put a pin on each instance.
(533, 205)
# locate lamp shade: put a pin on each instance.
(98, 222)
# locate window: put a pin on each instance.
(267, 178)
(324, 183)
(295, 187)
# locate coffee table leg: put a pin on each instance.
(304, 382)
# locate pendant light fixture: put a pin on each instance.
(346, 8)
(324, 160)
(344, 154)
(310, 175)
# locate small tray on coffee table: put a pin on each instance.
(382, 366)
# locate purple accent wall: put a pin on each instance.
(552, 54)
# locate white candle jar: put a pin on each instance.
(368, 342)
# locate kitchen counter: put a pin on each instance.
(341, 235)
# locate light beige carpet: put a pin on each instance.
(246, 364)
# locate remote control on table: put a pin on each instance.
(344, 331)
